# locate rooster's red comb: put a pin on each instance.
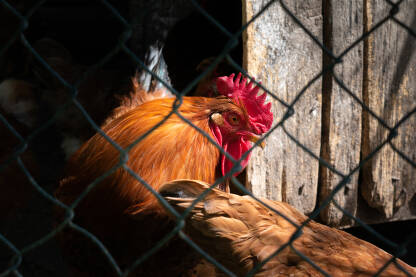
(259, 113)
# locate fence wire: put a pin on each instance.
(121, 46)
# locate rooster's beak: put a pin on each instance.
(254, 138)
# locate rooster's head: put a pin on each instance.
(235, 129)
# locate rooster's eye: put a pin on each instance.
(233, 119)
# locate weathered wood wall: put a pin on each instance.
(342, 114)
(379, 71)
(389, 182)
(285, 59)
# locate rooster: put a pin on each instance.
(124, 214)
(240, 232)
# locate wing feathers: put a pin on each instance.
(243, 233)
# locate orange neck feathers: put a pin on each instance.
(174, 150)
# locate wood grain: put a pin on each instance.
(342, 114)
(378, 71)
(388, 180)
(281, 55)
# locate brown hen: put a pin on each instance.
(240, 233)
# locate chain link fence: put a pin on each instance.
(233, 39)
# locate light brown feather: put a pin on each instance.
(240, 233)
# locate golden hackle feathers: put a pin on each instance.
(240, 232)
(175, 146)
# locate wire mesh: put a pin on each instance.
(24, 19)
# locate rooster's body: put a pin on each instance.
(240, 232)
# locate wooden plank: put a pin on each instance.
(390, 89)
(281, 55)
(342, 114)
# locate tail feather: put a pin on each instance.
(155, 62)
(145, 87)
